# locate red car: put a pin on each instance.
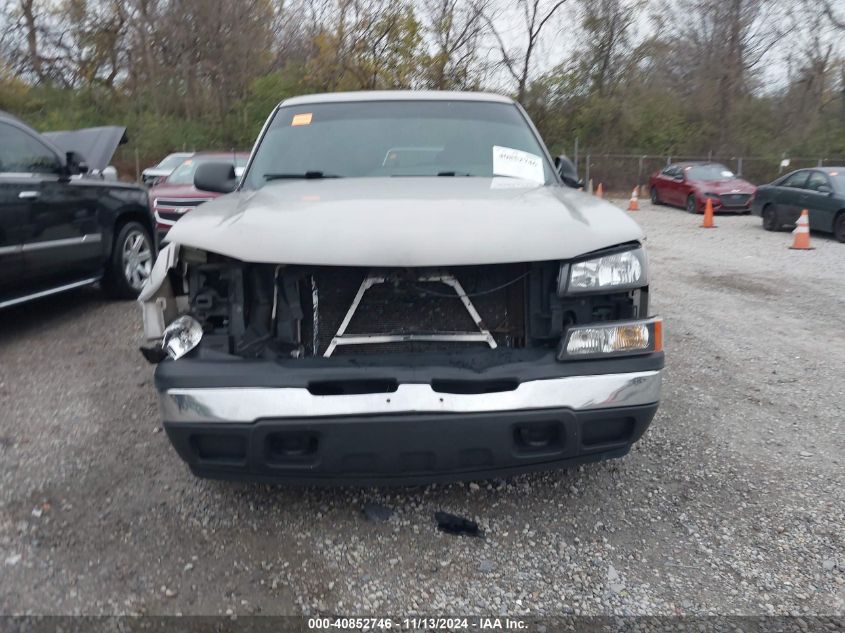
(174, 196)
(688, 185)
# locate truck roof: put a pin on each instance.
(397, 95)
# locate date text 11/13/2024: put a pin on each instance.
(419, 623)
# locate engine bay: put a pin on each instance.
(277, 311)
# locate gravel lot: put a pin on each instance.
(732, 503)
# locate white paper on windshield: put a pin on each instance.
(500, 182)
(517, 164)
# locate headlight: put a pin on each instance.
(711, 195)
(181, 336)
(612, 339)
(619, 271)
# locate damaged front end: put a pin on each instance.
(273, 311)
(316, 373)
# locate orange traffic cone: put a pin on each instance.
(708, 216)
(600, 191)
(633, 205)
(801, 241)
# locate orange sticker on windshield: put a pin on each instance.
(301, 119)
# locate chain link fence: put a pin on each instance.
(621, 172)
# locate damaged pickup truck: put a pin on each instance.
(400, 289)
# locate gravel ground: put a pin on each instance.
(733, 502)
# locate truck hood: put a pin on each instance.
(404, 222)
(96, 144)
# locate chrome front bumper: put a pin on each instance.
(249, 404)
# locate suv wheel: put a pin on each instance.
(770, 218)
(839, 227)
(131, 261)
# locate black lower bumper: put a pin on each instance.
(407, 449)
(379, 421)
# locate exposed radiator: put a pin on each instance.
(404, 305)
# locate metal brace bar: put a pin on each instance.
(452, 281)
(340, 338)
(363, 339)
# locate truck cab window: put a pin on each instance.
(20, 153)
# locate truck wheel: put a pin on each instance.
(692, 207)
(839, 227)
(770, 218)
(131, 261)
(655, 197)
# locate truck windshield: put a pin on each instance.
(399, 138)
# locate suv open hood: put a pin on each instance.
(405, 222)
(96, 144)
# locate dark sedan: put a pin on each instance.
(820, 190)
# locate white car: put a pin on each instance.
(164, 168)
(400, 289)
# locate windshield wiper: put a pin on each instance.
(453, 173)
(309, 175)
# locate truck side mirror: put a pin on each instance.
(75, 164)
(566, 169)
(217, 177)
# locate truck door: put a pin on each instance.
(61, 240)
(12, 215)
(65, 239)
(15, 191)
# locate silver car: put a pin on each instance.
(164, 168)
(400, 289)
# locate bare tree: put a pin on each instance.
(836, 16)
(814, 77)
(718, 51)
(293, 32)
(366, 44)
(517, 60)
(28, 12)
(455, 28)
(606, 54)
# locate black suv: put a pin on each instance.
(62, 228)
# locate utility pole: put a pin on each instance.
(575, 156)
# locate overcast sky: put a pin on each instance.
(560, 38)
